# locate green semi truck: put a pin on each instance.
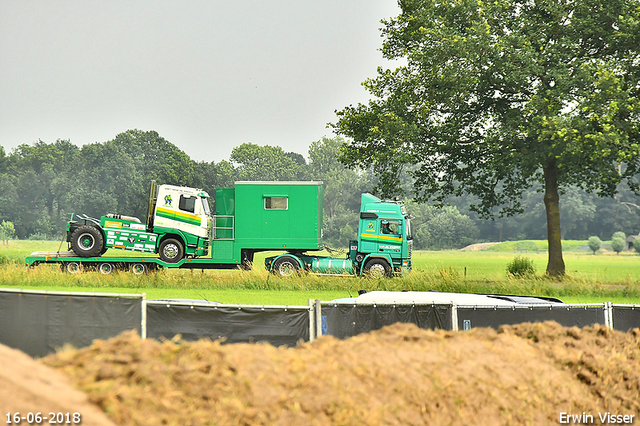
(251, 217)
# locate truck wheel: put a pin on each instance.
(377, 268)
(87, 241)
(286, 266)
(171, 250)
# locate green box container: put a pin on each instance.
(268, 216)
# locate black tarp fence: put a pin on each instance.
(345, 320)
(38, 322)
(277, 325)
(625, 317)
(566, 315)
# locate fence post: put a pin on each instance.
(312, 320)
(143, 315)
(454, 317)
(609, 315)
(318, 309)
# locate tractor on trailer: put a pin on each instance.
(249, 218)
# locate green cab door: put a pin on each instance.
(381, 236)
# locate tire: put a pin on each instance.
(377, 268)
(171, 250)
(87, 241)
(105, 268)
(286, 266)
(247, 260)
(139, 268)
(73, 267)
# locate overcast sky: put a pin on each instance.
(207, 75)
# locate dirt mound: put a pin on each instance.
(400, 375)
(29, 387)
(478, 246)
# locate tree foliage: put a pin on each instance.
(254, 162)
(594, 243)
(7, 230)
(498, 96)
(342, 188)
(441, 228)
(617, 245)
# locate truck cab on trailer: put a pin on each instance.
(178, 225)
(182, 220)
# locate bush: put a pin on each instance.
(594, 244)
(617, 245)
(636, 244)
(521, 266)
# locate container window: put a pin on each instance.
(187, 204)
(276, 203)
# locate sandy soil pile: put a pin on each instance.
(400, 375)
(478, 246)
(27, 386)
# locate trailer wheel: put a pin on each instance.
(105, 268)
(286, 266)
(87, 241)
(171, 250)
(139, 268)
(377, 268)
(74, 267)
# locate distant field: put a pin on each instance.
(606, 268)
(600, 278)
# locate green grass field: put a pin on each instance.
(600, 278)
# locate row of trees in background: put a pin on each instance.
(618, 243)
(42, 184)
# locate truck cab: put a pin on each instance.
(182, 220)
(385, 243)
(178, 225)
(383, 248)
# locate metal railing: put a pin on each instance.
(223, 227)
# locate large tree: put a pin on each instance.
(493, 97)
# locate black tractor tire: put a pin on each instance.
(377, 268)
(171, 250)
(87, 241)
(286, 266)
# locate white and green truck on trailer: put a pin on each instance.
(178, 225)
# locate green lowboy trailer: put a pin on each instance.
(250, 217)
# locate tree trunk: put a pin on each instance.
(555, 267)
